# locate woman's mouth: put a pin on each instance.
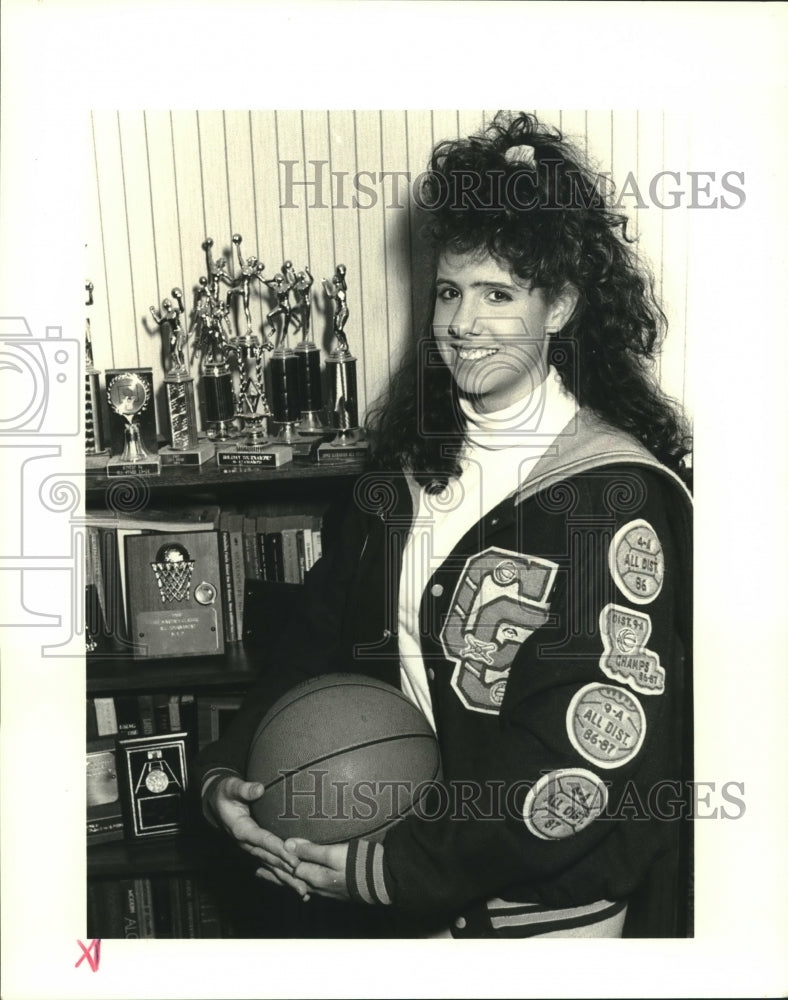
(475, 353)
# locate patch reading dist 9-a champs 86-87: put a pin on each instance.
(606, 725)
(625, 657)
(636, 562)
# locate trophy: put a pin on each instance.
(343, 392)
(251, 400)
(95, 447)
(184, 447)
(310, 391)
(217, 377)
(132, 423)
(284, 363)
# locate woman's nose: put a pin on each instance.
(463, 322)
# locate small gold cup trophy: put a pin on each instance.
(185, 448)
(135, 452)
(348, 442)
(255, 449)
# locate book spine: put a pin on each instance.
(289, 555)
(208, 914)
(191, 929)
(228, 596)
(142, 890)
(309, 556)
(300, 554)
(128, 716)
(162, 906)
(177, 907)
(188, 713)
(95, 911)
(317, 543)
(174, 707)
(106, 717)
(113, 910)
(161, 714)
(203, 722)
(251, 556)
(237, 561)
(91, 723)
(277, 566)
(261, 527)
(147, 719)
(131, 921)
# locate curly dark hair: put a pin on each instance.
(549, 222)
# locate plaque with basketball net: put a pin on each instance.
(174, 594)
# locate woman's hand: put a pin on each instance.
(321, 867)
(228, 799)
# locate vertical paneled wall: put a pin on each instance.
(321, 188)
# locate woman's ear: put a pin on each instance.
(561, 308)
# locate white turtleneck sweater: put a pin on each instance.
(500, 451)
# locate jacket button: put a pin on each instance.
(494, 521)
(436, 590)
(430, 674)
(460, 923)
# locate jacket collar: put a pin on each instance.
(588, 442)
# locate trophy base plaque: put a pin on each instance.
(270, 456)
(203, 452)
(96, 461)
(347, 446)
(118, 466)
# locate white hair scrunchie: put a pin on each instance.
(520, 154)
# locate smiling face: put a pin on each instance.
(492, 329)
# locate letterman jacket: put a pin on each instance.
(556, 639)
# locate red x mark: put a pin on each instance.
(92, 953)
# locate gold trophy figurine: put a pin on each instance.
(95, 444)
(343, 388)
(185, 448)
(310, 390)
(284, 363)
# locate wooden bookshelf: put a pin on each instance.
(297, 477)
(236, 668)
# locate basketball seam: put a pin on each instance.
(354, 683)
(355, 746)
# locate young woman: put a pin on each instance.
(518, 560)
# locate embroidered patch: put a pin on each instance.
(563, 803)
(499, 601)
(625, 658)
(636, 562)
(606, 725)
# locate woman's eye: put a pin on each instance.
(447, 294)
(496, 295)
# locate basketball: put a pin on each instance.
(341, 756)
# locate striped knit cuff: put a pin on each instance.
(364, 873)
(210, 778)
